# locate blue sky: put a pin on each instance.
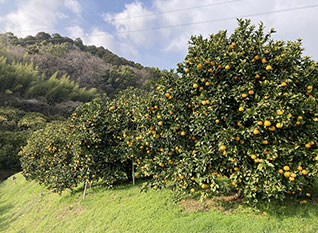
(127, 27)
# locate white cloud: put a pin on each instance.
(126, 21)
(32, 16)
(297, 24)
(98, 37)
(130, 27)
(61, 15)
(166, 13)
(74, 6)
(75, 32)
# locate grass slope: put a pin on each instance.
(28, 207)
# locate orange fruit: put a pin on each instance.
(279, 125)
(269, 67)
(279, 112)
(283, 84)
(204, 186)
(253, 157)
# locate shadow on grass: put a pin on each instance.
(4, 174)
(5, 221)
(280, 210)
(290, 208)
(118, 185)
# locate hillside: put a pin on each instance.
(125, 209)
(89, 66)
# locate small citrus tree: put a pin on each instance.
(101, 128)
(47, 157)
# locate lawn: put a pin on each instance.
(28, 207)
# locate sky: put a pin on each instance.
(155, 33)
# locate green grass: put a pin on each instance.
(28, 207)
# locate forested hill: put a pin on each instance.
(89, 66)
(45, 77)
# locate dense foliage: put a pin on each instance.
(54, 75)
(244, 108)
(47, 157)
(15, 127)
(242, 115)
(25, 81)
(89, 147)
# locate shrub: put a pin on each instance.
(15, 128)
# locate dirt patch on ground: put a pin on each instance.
(69, 211)
(221, 203)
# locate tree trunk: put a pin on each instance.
(128, 170)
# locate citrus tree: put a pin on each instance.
(244, 108)
(47, 157)
(101, 127)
